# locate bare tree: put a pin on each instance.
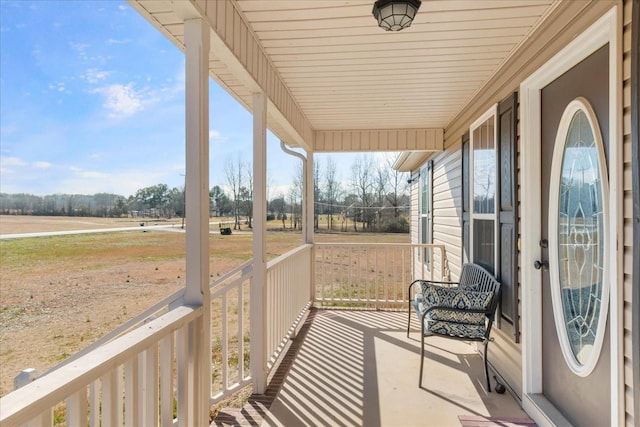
(331, 190)
(316, 192)
(381, 181)
(397, 186)
(248, 197)
(295, 198)
(362, 183)
(233, 172)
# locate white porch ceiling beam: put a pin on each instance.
(379, 140)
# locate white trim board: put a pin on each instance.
(607, 29)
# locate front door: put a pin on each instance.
(573, 246)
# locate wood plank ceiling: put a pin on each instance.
(346, 73)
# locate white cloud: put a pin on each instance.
(116, 41)
(7, 164)
(121, 100)
(81, 173)
(80, 48)
(215, 135)
(93, 174)
(12, 161)
(41, 165)
(94, 76)
(58, 87)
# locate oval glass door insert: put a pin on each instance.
(578, 237)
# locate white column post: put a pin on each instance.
(196, 35)
(309, 199)
(258, 291)
(309, 214)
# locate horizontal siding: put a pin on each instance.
(447, 205)
(378, 140)
(414, 224)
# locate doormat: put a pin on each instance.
(478, 421)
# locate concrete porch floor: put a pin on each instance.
(358, 368)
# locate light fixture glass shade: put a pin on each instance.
(395, 15)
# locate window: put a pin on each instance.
(483, 191)
(489, 204)
(426, 209)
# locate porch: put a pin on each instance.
(349, 365)
(357, 367)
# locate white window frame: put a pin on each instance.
(425, 179)
(491, 112)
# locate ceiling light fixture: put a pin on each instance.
(395, 15)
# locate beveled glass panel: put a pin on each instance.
(581, 237)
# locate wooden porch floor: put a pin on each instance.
(358, 368)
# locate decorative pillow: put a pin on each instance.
(456, 298)
(474, 287)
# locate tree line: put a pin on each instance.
(373, 198)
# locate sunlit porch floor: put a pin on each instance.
(358, 368)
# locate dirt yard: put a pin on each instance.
(60, 293)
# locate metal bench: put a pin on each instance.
(462, 310)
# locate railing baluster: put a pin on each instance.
(76, 414)
(225, 344)
(166, 381)
(94, 404)
(119, 385)
(110, 398)
(240, 333)
(131, 392)
(150, 387)
(182, 364)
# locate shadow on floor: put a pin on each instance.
(358, 368)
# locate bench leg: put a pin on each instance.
(486, 366)
(421, 359)
(409, 321)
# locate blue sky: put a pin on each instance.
(92, 100)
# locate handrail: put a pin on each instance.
(21, 405)
(282, 258)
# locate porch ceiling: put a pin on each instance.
(335, 70)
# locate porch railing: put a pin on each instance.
(288, 297)
(230, 332)
(141, 374)
(374, 274)
(134, 379)
(136, 374)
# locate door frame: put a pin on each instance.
(607, 29)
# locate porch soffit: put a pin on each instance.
(332, 76)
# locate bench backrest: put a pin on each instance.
(475, 275)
